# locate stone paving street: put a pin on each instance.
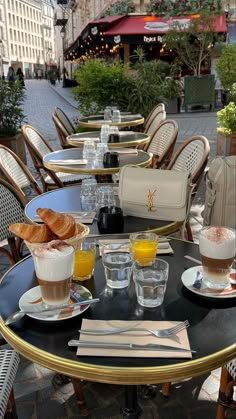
(37, 395)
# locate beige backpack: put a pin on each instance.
(220, 199)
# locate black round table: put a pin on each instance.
(212, 332)
(141, 158)
(68, 200)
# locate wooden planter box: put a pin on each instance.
(15, 144)
(226, 144)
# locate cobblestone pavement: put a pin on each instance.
(37, 397)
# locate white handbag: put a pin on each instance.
(155, 194)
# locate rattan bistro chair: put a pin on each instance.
(158, 108)
(61, 132)
(38, 147)
(162, 143)
(192, 157)
(65, 121)
(12, 205)
(9, 362)
(155, 122)
(226, 392)
(16, 172)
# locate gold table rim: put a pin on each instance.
(131, 123)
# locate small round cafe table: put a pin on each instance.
(212, 332)
(58, 162)
(127, 139)
(67, 200)
(97, 121)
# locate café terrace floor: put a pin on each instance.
(38, 392)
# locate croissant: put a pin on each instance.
(32, 233)
(63, 225)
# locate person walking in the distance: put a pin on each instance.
(11, 75)
(58, 75)
(20, 77)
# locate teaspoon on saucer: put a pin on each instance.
(21, 313)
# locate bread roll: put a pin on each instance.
(32, 233)
(63, 225)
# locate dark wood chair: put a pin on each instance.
(158, 108)
(226, 391)
(155, 122)
(38, 147)
(61, 132)
(65, 121)
(162, 143)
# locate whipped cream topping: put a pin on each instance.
(55, 261)
(217, 243)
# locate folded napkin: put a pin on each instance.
(126, 133)
(125, 150)
(69, 162)
(138, 337)
(163, 248)
(132, 116)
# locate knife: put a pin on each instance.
(147, 347)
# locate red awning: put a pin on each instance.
(148, 25)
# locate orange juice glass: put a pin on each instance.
(84, 261)
(143, 245)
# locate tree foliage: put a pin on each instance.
(226, 66)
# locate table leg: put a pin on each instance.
(131, 410)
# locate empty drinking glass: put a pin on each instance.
(105, 129)
(116, 116)
(102, 148)
(114, 135)
(150, 277)
(105, 197)
(89, 150)
(88, 188)
(108, 113)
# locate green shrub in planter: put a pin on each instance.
(11, 114)
(101, 84)
(227, 119)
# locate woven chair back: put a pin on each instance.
(36, 142)
(12, 169)
(155, 122)
(11, 209)
(163, 141)
(9, 362)
(65, 121)
(61, 132)
(192, 157)
(158, 108)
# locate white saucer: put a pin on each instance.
(32, 299)
(188, 277)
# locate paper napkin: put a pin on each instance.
(68, 162)
(164, 248)
(138, 337)
(125, 150)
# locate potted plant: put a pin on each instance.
(226, 138)
(11, 116)
(170, 91)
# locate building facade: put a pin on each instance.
(26, 35)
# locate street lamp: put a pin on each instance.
(63, 31)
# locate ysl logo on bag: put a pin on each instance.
(150, 197)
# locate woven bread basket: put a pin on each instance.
(74, 241)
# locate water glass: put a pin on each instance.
(150, 276)
(117, 267)
(116, 116)
(105, 197)
(114, 135)
(88, 188)
(102, 148)
(105, 129)
(89, 150)
(108, 113)
(143, 245)
(84, 261)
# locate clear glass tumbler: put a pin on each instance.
(105, 197)
(150, 277)
(117, 267)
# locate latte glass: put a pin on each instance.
(54, 265)
(217, 247)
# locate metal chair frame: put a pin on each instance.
(61, 132)
(16, 172)
(65, 121)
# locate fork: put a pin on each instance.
(162, 333)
